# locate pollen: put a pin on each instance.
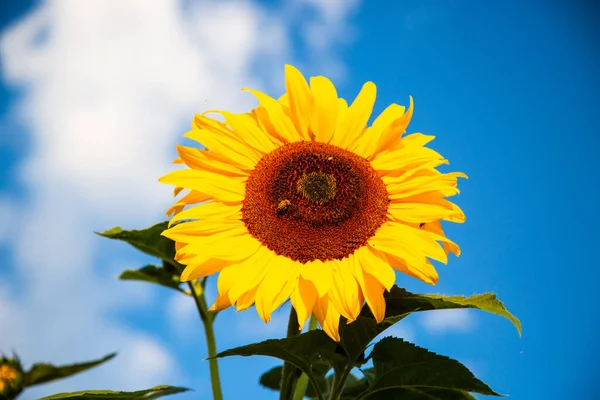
(318, 187)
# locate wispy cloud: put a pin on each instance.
(441, 321)
(107, 89)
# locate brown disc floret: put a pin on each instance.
(309, 201)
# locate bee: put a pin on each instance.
(283, 206)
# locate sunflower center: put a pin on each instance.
(314, 201)
(318, 187)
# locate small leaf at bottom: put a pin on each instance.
(153, 393)
(42, 372)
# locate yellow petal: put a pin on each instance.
(229, 277)
(191, 198)
(177, 190)
(449, 246)
(280, 271)
(284, 100)
(206, 231)
(221, 303)
(287, 289)
(405, 158)
(399, 188)
(210, 210)
(247, 299)
(277, 117)
(420, 212)
(344, 292)
(328, 317)
(342, 110)
(371, 288)
(300, 100)
(319, 273)
(262, 119)
(404, 241)
(200, 270)
(232, 249)
(246, 275)
(366, 144)
(422, 269)
(205, 160)
(304, 297)
(223, 142)
(354, 122)
(394, 130)
(218, 187)
(247, 128)
(324, 117)
(375, 266)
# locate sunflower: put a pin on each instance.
(300, 199)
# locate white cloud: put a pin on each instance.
(107, 89)
(183, 316)
(329, 28)
(250, 328)
(403, 330)
(8, 210)
(441, 321)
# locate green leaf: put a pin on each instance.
(402, 365)
(303, 351)
(153, 393)
(400, 303)
(486, 302)
(308, 352)
(356, 336)
(272, 380)
(154, 274)
(42, 372)
(149, 240)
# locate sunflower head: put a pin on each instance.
(301, 199)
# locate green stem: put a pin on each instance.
(339, 381)
(207, 321)
(303, 381)
(289, 374)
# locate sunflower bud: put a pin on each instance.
(11, 377)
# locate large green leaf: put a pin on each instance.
(153, 393)
(154, 274)
(307, 352)
(401, 302)
(42, 372)
(148, 240)
(401, 365)
(303, 351)
(356, 336)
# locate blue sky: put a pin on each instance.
(88, 122)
